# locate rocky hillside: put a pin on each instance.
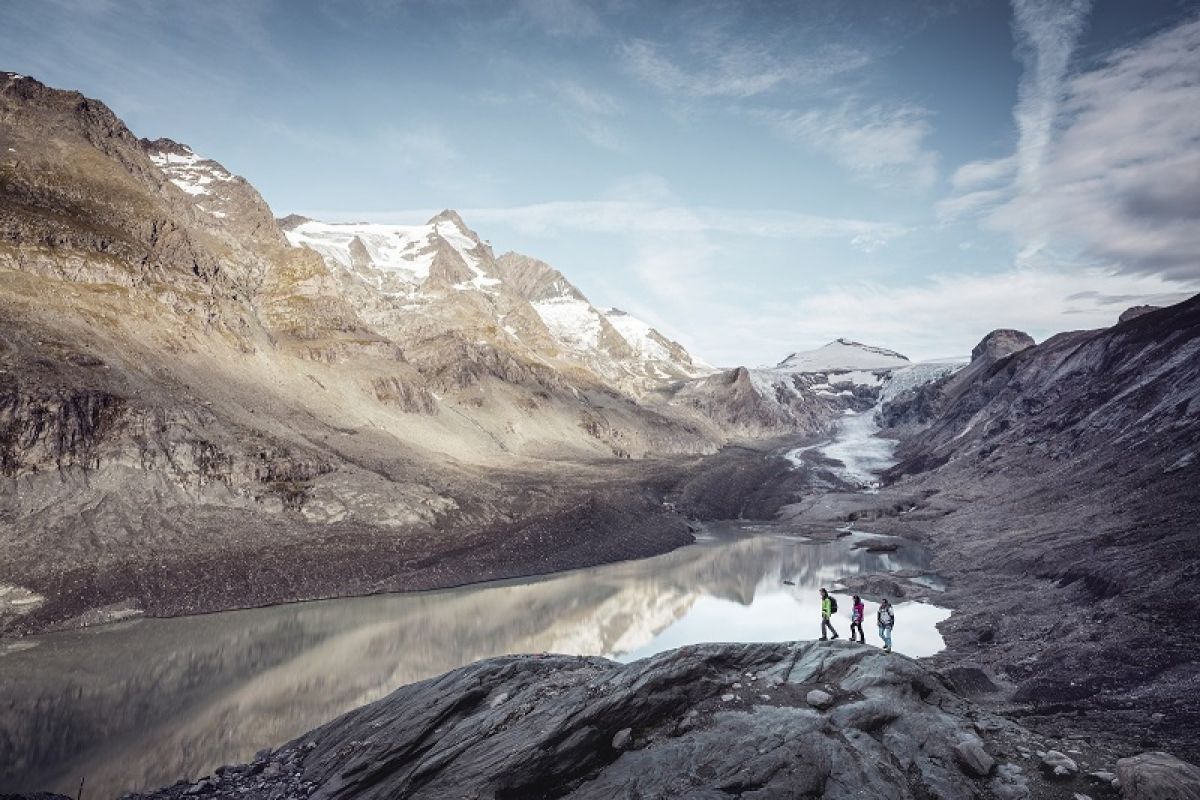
(188, 385)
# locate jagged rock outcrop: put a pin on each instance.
(706, 720)
(1135, 311)
(1000, 344)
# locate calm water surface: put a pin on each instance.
(143, 703)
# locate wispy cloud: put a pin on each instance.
(876, 143)
(584, 98)
(1046, 33)
(589, 111)
(564, 18)
(734, 68)
(645, 217)
(425, 146)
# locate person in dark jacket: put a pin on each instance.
(887, 619)
(856, 620)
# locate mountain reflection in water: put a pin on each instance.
(141, 704)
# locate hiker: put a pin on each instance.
(856, 618)
(886, 620)
(828, 608)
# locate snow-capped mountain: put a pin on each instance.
(442, 270)
(397, 259)
(842, 355)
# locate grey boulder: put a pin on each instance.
(1158, 776)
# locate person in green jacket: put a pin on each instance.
(827, 608)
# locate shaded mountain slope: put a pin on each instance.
(1061, 488)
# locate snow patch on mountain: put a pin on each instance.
(641, 337)
(403, 251)
(192, 173)
(574, 323)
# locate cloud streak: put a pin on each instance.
(734, 69)
(642, 217)
(876, 143)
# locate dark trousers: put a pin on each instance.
(825, 623)
(857, 626)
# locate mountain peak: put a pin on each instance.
(292, 221)
(1001, 343)
(451, 216)
(165, 145)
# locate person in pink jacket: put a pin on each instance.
(856, 618)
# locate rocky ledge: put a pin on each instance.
(810, 720)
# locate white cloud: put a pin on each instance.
(1046, 32)
(1122, 180)
(978, 175)
(877, 143)
(1107, 168)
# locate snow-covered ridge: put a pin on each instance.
(398, 261)
(842, 354)
(404, 252)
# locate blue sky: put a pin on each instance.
(754, 178)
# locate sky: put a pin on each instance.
(753, 178)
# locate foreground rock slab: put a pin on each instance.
(701, 721)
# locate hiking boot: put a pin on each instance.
(835, 636)
(824, 638)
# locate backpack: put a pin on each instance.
(832, 604)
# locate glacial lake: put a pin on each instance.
(142, 703)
